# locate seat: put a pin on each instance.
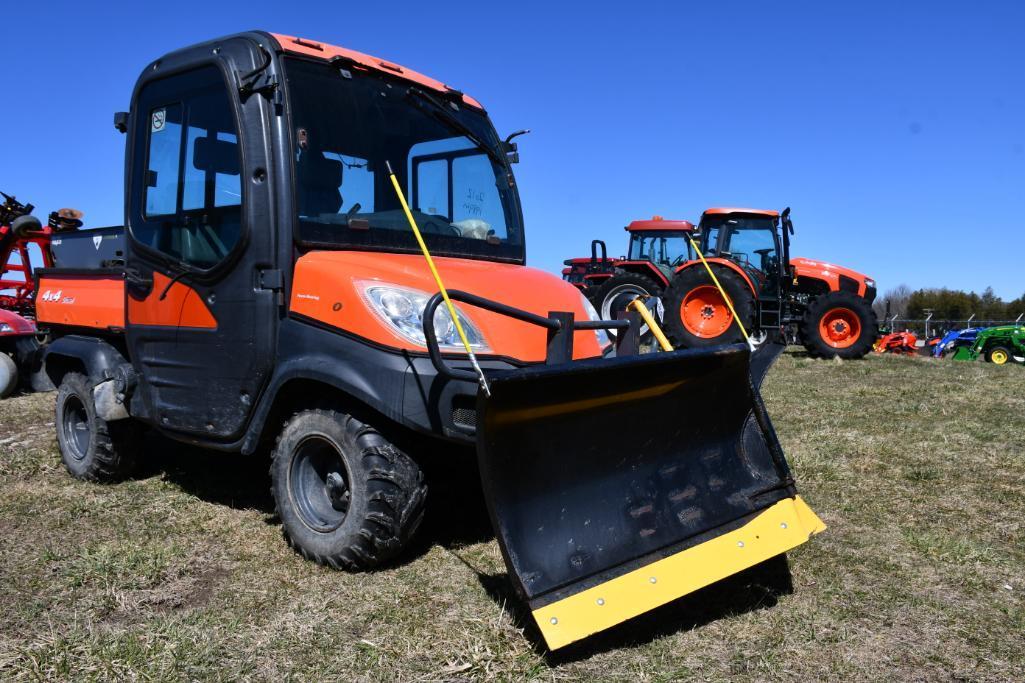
(320, 181)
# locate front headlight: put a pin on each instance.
(402, 309)
(5, 328)
(869, 282)
(601, 335)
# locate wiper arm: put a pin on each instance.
(445, 116)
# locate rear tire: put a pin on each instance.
(615, 293)
(8, 375)
(999, 355)
(696, 316)
(838, 325)
(92, 448)
(346, 496)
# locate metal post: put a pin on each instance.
(1017, 321)
(927, 319)
(968, 323)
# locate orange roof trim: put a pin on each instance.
(732, 209)
(311, 48)
(659, 223)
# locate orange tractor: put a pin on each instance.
(824, 307)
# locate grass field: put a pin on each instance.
(918, 468)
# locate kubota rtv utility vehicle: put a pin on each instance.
(826, 308)
(272, 291)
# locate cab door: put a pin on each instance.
(202, 310)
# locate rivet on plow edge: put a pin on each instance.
(653, 579)
(601, 601)
(740, 544)
(554, 621)
(782, 525)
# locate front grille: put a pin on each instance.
(464, 417)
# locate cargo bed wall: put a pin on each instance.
(81, 298)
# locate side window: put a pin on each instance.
(191, 182)
(165, 146)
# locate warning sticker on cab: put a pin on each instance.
(159, 118)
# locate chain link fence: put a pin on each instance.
(927, 328)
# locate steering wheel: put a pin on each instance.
(439, 225)
(766, 261)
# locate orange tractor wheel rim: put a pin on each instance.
(840, 328)
(704, 312)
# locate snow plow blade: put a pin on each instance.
(618, 485)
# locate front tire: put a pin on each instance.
(346, 496)
(696, 315)
(998, 355)
(838, 325)
(615, 293)
(8, 375)
(92, 448)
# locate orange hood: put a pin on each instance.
(327, 288)
(829, 273)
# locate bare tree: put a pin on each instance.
(893, 302)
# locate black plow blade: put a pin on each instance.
(618, 485)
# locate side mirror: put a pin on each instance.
(509, 147)
(121, 121)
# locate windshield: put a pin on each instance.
(348, 123)
(660, 247)
(749, 241)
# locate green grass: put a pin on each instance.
(918, 468)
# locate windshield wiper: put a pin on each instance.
(443, 114)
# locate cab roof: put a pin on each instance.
(328, 53)
(733, 209)
(659, 223)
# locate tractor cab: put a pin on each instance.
(664, 244)
(752, 239)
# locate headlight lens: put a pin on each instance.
(870, 282)
(402, 310)
(4, 327)
(601, 335)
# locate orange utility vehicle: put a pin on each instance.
(824, 307)
(272, 292)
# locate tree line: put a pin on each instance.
(946, 304)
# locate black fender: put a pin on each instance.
(95, 356)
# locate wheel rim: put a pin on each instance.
(999, 357)
(704, 312)
(615, 302)
(840, 328)
(75, 424)
(318, 484)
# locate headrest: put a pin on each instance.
(219, 156)
(316, 170)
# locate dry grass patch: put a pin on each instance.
(181, 573)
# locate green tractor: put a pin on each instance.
(998, 345)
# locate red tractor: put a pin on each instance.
(824, 307)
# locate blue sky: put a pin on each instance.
(896, 131)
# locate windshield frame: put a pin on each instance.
(391, 240)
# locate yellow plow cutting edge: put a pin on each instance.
(782, 527)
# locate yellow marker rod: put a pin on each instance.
(649, 320)
(722, 291)
(437, 280)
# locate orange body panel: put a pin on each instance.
(827, 272)
(324, 51)
(182, 307)
(325, 288)
(96, 301)
(725, 262)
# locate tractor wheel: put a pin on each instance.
(8, 375)
(838, 325)
(346, 496)
(697, 315)
(92, 448)
(613, 295)
(998, 355)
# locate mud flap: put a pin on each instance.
(619, 485)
